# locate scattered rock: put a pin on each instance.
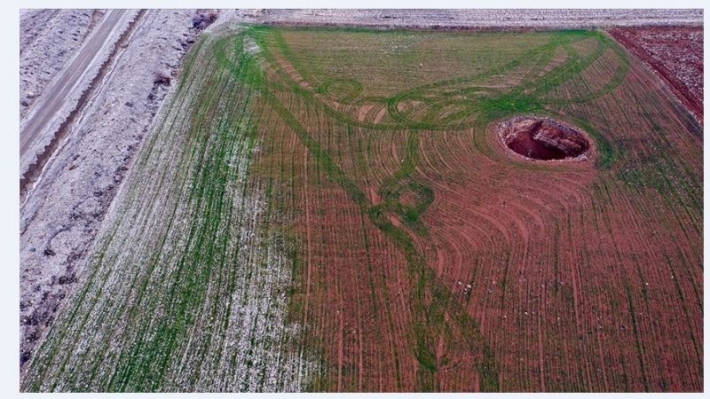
(202, 20)
(161, 78)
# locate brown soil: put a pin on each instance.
(576, 279)
(674, 53)
(543, 138)
(563, 268)
(570, 273)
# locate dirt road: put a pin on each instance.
(109, 111)
(65, 82)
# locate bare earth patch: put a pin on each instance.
(676, 54)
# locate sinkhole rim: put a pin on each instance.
(544, 139)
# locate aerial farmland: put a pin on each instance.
(362, 201)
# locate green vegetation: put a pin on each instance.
(221, 269)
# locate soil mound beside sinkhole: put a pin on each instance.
(543, 138)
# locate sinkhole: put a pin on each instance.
(543, 138)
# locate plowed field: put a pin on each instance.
(676, 54)
(339, 210)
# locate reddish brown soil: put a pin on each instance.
(542, 138)
(676, 54)
(577, 279)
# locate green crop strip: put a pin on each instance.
(208, 194)
(218, 131)
(428, 320)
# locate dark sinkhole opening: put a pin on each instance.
(543, 138)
